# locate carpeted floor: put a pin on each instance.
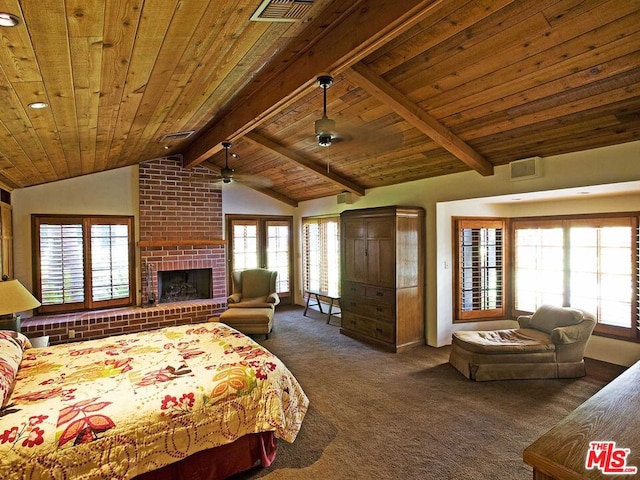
(378, 415)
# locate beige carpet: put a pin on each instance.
(378, 415)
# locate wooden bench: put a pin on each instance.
(332, 297)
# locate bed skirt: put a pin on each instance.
(219, 463)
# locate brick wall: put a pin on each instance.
(105, 323)
(179, 205)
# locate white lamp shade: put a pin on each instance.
(14, 297)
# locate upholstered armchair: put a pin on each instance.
(254, 288)
(548, 344)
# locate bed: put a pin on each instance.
(192, 401)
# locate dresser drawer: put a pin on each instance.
(378, 293)
(368, 308)
(381, 294)
(383, 331)
(351, 289)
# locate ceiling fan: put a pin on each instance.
(325, 127)
(228, 174)
(367, 135)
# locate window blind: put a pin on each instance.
(83, 262)
(321, 254)
(61, 264)
(480, 267)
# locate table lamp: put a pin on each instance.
(14, 298)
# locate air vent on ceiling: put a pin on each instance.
(176, 136)
(525, 169)
(282, 10)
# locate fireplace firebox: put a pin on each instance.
(183, 285)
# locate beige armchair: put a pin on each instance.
(254, 288)
(548, 344)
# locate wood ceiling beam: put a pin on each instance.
(376, 86)
(307, 164)
(278, 196)
(363, 29)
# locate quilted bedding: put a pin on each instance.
(117, 407)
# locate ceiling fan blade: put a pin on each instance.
(255, 181)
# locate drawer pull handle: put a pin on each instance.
(380, 294)
(379, 309)
(379, 330)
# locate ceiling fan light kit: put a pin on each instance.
(8, 19)
(325, 127)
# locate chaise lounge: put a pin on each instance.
(549, 344)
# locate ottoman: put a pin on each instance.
(249, 320)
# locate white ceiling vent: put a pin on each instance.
(176, 136)
(525, 169)
(282, 10)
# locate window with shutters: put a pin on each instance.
(480, 269)
(583, 261)
(321, 254)
(262, 241)
(83, 262)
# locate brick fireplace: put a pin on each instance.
(180, 226)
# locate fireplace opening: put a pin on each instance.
(183, 285)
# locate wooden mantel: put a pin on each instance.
(187, 242)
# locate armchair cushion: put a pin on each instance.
(254, 288)
(513, 340)
(570, 334)
(548, 317)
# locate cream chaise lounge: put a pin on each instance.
(549, 344)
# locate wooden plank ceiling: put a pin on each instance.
(421, 88)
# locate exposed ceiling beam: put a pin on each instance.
(266, 191)
(369, 25)
(376, 86)
(291, 156)
(278, 196)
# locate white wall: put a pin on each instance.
(240, 199)
(114, 192)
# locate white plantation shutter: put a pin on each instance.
(321, 254)
(585, 262)
(480, 267)
(538, 266)
(109, 262)
(62, 264)
(83, 262)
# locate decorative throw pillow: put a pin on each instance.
(548, 317)
(12, 345)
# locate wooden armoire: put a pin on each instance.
(382, 276)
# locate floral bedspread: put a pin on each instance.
(118, 407)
